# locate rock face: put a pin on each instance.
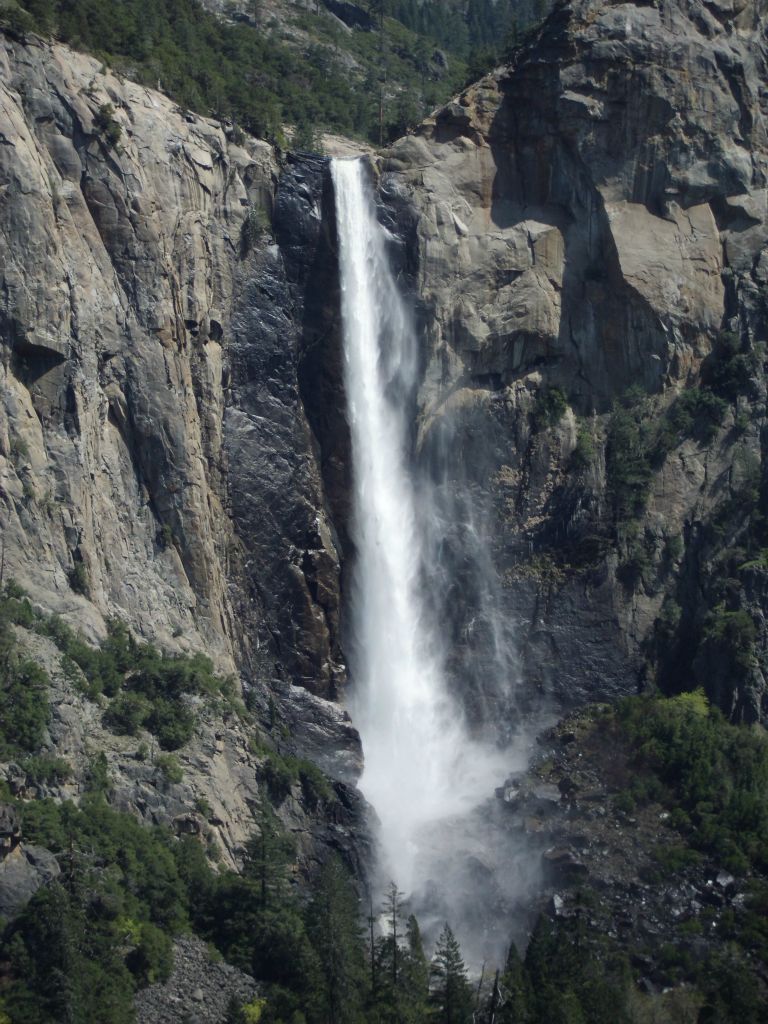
(155, 451)
(173, 447)
(156, 461)
(591, 218)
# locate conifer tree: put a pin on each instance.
(267, 859)
(386, 997)
(333, 927)
(414, 975)
(513, 997)
(451, 995)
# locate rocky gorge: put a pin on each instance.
(582, 235)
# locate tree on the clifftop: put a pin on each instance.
(451, 995)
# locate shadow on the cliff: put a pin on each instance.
(541, 177)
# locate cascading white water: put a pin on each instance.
(420, 765)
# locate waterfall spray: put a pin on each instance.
(421, 767)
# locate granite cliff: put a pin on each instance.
(589, 224)
(583, 233)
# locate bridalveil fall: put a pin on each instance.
(425, 771)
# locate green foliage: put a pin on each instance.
(24, 708)
(78, 579)
(106, 126)
(15, 18)
(714, 775)
(731, 368)
(450, 991)
(481, 30)
(231, 69)
(150, 690)
(696, 412)
(97, 781)
(169, 768)
(573, 973)
(637, 561)
(732, 634)
(627, 463)
(282, 773)
(549, 407)
(584, 453)
(81, 947)
(637, 444)
(334, 930)
(254, 226)
(42, 769)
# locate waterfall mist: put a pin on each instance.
(430, 768)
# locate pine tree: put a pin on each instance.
(387, 996)
(513, 999)
(414, 975)
(451, 995)
(333, 927)
(268, 857)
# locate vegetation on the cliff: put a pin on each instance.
(664, 798)
(24, 710)
(250, 71)
(104, 928)
(146, 689)
(712, 775)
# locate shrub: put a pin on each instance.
(106, 126)
(43, 768)
(127, 713)
(627, 464)
(714, 774)
(78, 579)
(696, 412)
(24, 707)
(169, 768)
(584, 453)
(733, 633)
(549, 407)
(730, 369)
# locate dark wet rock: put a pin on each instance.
(563, 865)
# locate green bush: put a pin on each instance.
(627, 463)
(549, 407)
(731, 368)
(24, 686)
(584, 453)
(127, 713)
(15, 18)
(106, 126)
(78, 579)
(43, 769)
(715, 774)
(169, 768)
(732, 633)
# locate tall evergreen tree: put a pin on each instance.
(451, 995)
(333, 927)
(511, 1003)
(414, 975)
(387, 996)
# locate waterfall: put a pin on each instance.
(421, 767)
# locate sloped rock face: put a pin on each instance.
(156, 461)
(590, 218)
(155, 451)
